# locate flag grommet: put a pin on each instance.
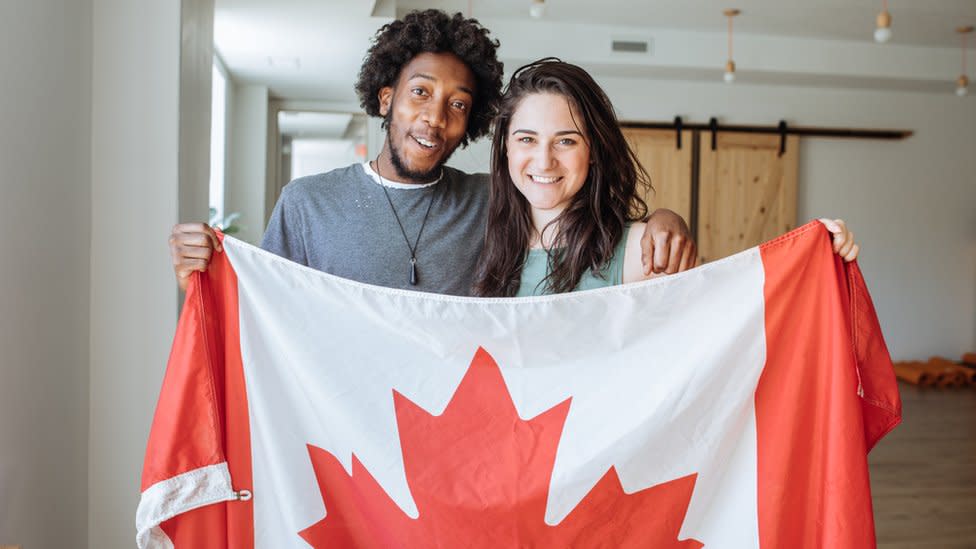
(243, 495)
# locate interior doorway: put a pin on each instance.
(317, 142)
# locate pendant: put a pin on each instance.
(413, 271)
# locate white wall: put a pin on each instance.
(134, 182)
(911, 203)
(687, 54)
(45, 193)
(312, 156)
(246, 179)
(196, 71)
(228, 136)
(475, 158)
(218, 136)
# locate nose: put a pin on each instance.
(544, 158)
(433, 114)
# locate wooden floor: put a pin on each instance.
(923, 474)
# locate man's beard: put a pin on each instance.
(404, 173)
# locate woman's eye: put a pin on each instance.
(417, 91)
(567, 142)
(460, 106)
(525, 139)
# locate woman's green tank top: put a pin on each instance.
(537, 265)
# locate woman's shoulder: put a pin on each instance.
(633, 263)
(633, 233)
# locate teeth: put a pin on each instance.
(540, 179)
(424, 142)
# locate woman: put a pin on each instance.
(565, 207)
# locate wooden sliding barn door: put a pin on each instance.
(669, 167)
(746, 191)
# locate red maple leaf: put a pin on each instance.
(480, 475)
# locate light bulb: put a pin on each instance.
(962, 91)
(962, 86)
(537, 9)
(729, 75)
(883, 31)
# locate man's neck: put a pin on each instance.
(369, 167)
(384, 167)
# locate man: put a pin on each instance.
(405, 220)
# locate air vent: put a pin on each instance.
(631, 46)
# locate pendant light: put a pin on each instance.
(882, 32)
(729, 76)
(962, 83)
(537, 9)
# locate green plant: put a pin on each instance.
(226, 225)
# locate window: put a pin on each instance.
(218, 139)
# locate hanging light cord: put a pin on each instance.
(730, 38)
(963, 54)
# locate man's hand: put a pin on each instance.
(191, 245)
(843, 239)
(667, 246)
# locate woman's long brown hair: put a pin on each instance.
(593, 223)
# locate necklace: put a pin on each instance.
(413, 249)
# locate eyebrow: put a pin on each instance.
(426, 76)
(561, 132)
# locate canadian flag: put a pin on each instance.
(732, 405)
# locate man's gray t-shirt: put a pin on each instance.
(340, 222)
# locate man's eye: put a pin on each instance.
(418, 91)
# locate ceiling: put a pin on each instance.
(915, 22)
(312, 49)
(322, 125)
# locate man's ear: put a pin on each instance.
(385, 96)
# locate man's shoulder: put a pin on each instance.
(468, 184)
(310, 185)
(466, 178)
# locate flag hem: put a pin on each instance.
(858, 296)
(744, 255)
(168, 498)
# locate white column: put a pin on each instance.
(136, 199)
(247, 183)
(45, 220)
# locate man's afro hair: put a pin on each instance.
(433, 31)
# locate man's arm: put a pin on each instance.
(843, 239)
(667, 246)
